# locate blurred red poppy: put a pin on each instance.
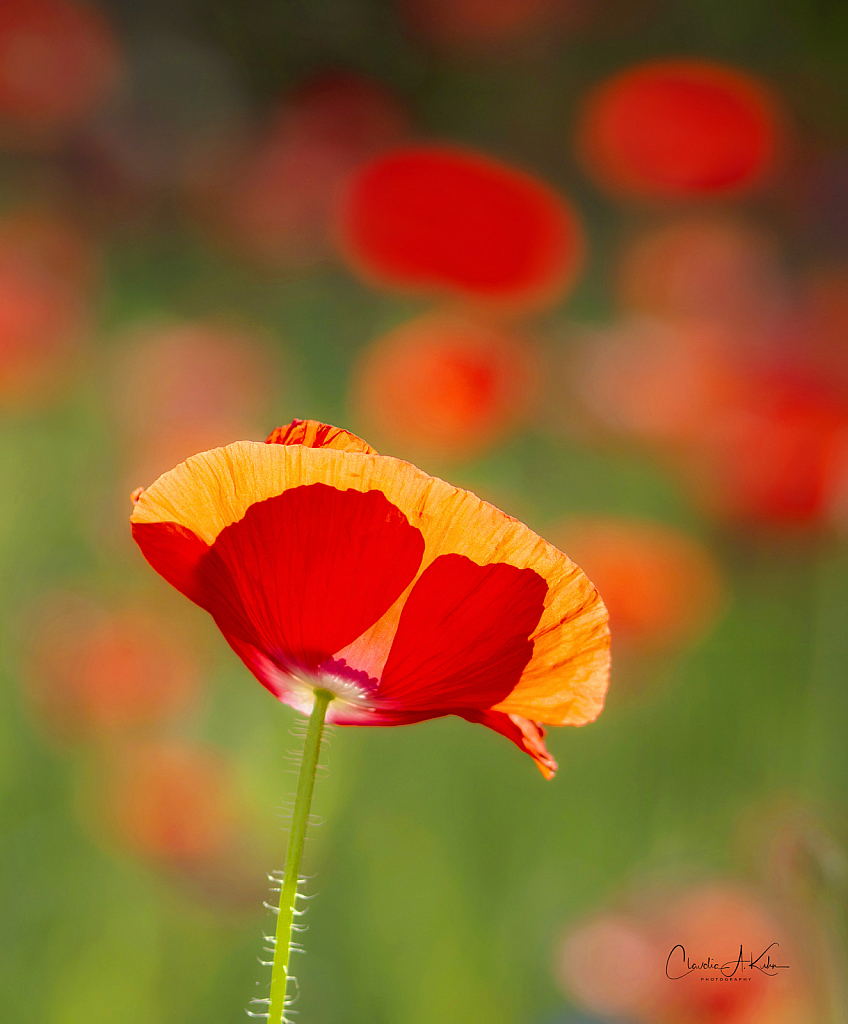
(280, 202)
(660, 586)
(661, 381)
(58, 61)
(327, 565)
(609, 965)
(185, 387)
(678, 129)
(721, 918)
(822, 323)
(94, 673)
(45, 269)
(172, 802)
(445, 385)
(435, 218)
(778, 456)
(631, 964)
(761, 439)
(709, 269)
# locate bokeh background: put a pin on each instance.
(585, 257)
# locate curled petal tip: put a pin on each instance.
(136, 494)
(527, 735)
(313, 434)
(533, 741)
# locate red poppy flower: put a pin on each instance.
(436, 218)
(661, 587)
(608, 962)
(183, 388)
(446, 385)
(679, 129)
(281, 200)
(172, 801)
(58, 61)
(95, 673)
(779, 456)
(42, 320)
(327, 565)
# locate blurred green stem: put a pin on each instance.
(288, 892)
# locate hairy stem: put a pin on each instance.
(288, 891)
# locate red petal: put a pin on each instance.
(174, 552)
(463, 636)
(529, 736)
(304, 573)
(313, 434)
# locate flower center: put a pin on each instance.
(348, 694)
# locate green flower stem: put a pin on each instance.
(288, 891)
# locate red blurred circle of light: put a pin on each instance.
(445, 385)
(608, 964)
(444, 219)
(58, 60)
(172, 801)
(185, 388)
(96, 673)
(661, 586)
(43, 307)
(281, 201)
(658, 380)
(678, 129)
(778, 458)
(703, 267)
